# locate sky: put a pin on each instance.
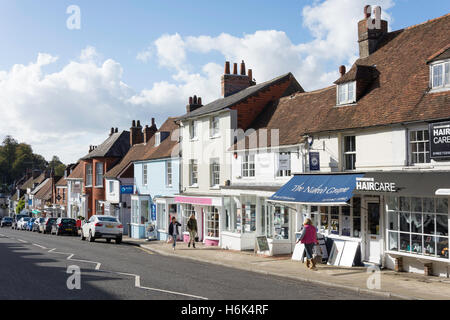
(64, 81)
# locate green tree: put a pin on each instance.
(20, 205)
(57, 166)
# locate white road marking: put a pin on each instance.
(39, 246)
(137, 284)
(23, 241)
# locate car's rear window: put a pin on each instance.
(68, 221)
(7, 219)
(107, 219)
(26, 219)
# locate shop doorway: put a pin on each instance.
(373, 239)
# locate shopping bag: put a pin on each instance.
(170, 240)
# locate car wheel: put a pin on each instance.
(108, 240)
(91, 238)
(119, 240)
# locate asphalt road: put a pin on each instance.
(34, 266)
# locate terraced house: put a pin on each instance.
(376, 150)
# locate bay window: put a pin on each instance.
(418, 226)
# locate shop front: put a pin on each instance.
(207, 211)
(248, 215)
(390, 215)
(140, 215)
(165, 208)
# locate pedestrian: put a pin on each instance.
(192, 228)
(308, 237)
(173, 231)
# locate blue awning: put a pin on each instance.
(318, 189)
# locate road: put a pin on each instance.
(34, 266)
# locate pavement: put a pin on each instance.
(391, 284)
(37, 266)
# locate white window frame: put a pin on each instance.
(347, 99)
(193, 162)
(214, 128)
(157, 139)
(445, 83)
(169, 173)
(248, 159)
(193, 130)
(284, 173)
(111, 186)
(212, 223)
(89, 175)
(348, 153)
(99, 175)
(144, 174)
(214, 173)
(425, 152)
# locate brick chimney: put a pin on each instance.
(194, 103)
(150, 131)
(370, 30)
(233, 83)
(136, 135)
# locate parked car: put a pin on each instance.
(37, 223)
(29, 225)
(16, 220)
(46, 227)
(106, 227)
(65, 226)
(6, 221)
(22, 223)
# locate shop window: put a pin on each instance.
(281, 222)
(188, 210)
(144, 212)
(324, 218)
(418, 226)
(212, 222)
(346, 222)
(334, 221)
(135, 211)
(162, 219)
(419, 145)
(350, 153)
(249, 221)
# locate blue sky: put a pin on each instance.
(117, 31)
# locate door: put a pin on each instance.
(373, 241)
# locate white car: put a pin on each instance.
(22, 223)
(99, 226)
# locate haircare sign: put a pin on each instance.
(440, 140)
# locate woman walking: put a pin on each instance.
(309, 238)
(192, 228)
(173, 231)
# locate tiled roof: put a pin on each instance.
(148, 151)
(238, 97)
(62, 182)
(45, 191)
(77, 173)
(116, 146)
(399, 94)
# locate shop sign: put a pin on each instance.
(439, 140)
(153, 208)
(314, 161)
(369, 184)
(126, 189)
(284, 162)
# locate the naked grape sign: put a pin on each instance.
(440, 140)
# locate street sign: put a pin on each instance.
(126, 189)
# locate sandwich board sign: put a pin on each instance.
(262, 244)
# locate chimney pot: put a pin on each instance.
(133, 124)
(153, 121)
(342, 70)
(242, 68)
(235, 68)
(367, 11)
(117, 130)
(250, 75)
(195, 100)
(139, 124)
(227, 67)
(200, 101)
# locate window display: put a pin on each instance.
(212, 222)
(249, 222)
(418, 225)
(188, 210)
(334, 222)
(281, 222)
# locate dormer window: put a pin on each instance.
(440, 74)
(346, 93)
(157, 139)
